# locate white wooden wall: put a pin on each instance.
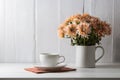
(16, 30)
(46, 26)
(49, 16)
(29, 27)
(116, 32)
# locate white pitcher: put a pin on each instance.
(85, 56)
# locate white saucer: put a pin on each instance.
(56, 68)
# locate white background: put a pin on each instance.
(29, 27)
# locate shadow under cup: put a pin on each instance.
(50, 59)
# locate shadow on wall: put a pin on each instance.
(116, 54)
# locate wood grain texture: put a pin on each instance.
(16, 70)
(116, 32)
(16, 30)
(24, 31)
(2, 30)
(10, 24)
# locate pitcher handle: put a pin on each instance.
(101, 54)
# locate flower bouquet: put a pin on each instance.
(85, 30)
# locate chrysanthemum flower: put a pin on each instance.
(70, 30)
(84, 29)
(61, 32)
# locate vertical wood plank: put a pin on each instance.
(24, 31)
(88, 6)
(46, 26)
(116, 32)
(68, 8)
(2, 30)
(17, 31)
(104, 10)
(10, 24)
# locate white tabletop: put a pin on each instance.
(13, 70)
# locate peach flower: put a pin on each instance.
(61, 32)
(70, 30)
(84, 29)
(71, 18)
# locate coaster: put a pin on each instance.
(38, 70)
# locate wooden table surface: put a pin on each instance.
(16, 70)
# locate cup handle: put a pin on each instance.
(62, 60)
(101, 54)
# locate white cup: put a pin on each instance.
(50, 59)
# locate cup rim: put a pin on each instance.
(49, 54)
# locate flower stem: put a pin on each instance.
(84, 41)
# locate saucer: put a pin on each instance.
(55, 68)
